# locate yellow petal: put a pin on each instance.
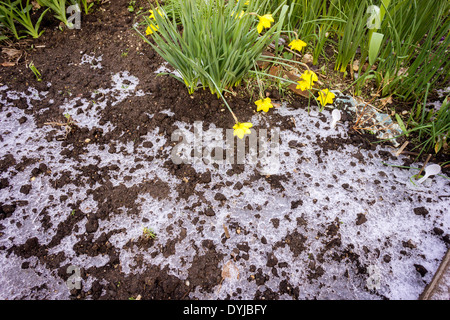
(297, 44)
(264, 104)
(303, 85)
(309, 76)
(152, 14)
(241, 129)
(259, 28)
(240, 133)
(326, 97)
(151, 28)
(264, 22)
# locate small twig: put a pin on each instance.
(409, 152)
(189, 290)
(67, 126)
(361, 115)
(421, 170)
(298, 55)
(401, 148)
(293, 120)
(227, 234)
(220, 285)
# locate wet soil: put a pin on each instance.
(108, 31)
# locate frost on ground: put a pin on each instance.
(331, 223)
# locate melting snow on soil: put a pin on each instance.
(337, 212)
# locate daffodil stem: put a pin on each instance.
(223, 98)
(229, 109)
(258, 80)
(234, 116)
(291, 31)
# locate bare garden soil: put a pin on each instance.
(108, 32)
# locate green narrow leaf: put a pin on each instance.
(438, 145)
(385, 4)
(374, 46)
(401, 124)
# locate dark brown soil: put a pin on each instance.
(108, 31)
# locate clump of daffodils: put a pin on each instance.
(244, 28)
(241, 129)
(306, 82)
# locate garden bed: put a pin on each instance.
(337, 220)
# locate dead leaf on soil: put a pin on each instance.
(11, 52)
(307, 58)
(36, 6)
(385, 101)
(276, 104)
(8, 64)
(355, 65)
(13, 55)
(293, 87)
(230, 271)
(264, 64)
(275, 71)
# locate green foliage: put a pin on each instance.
(149, 233)
(431, 128)
(351, 33)
(131, 5)
(87, 5)
(35, 71)
(12, 12)
(217, 47)
(15, 13)
(59, 9)
(408, 49)
(413, 50)
(311, 20)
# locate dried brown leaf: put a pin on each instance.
(230, 271)
(8, 64)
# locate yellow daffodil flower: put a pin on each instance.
(307, 80)
(309, 76)
(297, 44)
(150, 29)
(241, 129)
(152, 15)
(325, 97)
(264, 104)
(264, 22)
(303, 85)
(246, 3)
